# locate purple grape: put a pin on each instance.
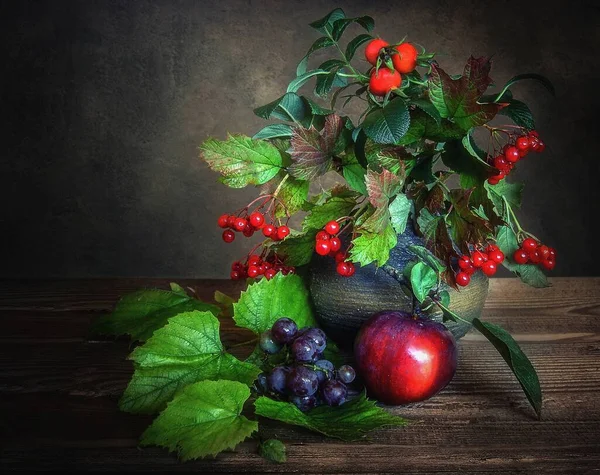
(318, 336)
(346, 374)
(284, 330)
(261, 384)
(304, 350)
(268, 344)
(302, 381)
(304, 403)
(325, 371)
(276, 380)
(334, 392)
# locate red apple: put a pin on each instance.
(403, 358)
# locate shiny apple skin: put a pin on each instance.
(402, 358)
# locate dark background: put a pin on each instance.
(105, 102)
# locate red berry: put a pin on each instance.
(541, 147)
(340, 256)
(493, 180)
(235, 275)
(282, 232)
(529, 244)
(322, 248)
(534, 143)
(228, 235)
(521, 256)
(533, 133)
(270, 273)
(544, 251)
(237, 265)
(478, 258)
(512, 154)
(373, 48)
(383, 81)
(240, 224)
(254, 260)
(252, 271)
(406, 59)
(351, 269)
(332, 227)
(322, 236)
(268, 230)
(552, 252)
(549, 264)
(489, 268)
(522, 143)
(496, 255)
(248, 230)
(501, 164)
(491, 247)
(463, 279)
(465, 262)
(335, 244)
(342, 268)
(534, 256)
(257, 219)
(231, 221)
(469, 270)
(523, 153)
(223, 221)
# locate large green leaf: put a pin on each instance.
(428, 257)
(339, 26)
(354, 173)
(423, 126)
(355, 43)
(516, 360)
(519, 113)
(299, 81)
(141, 313)
(203, 419)
(335, 207)
(422, 279)
(298, 249)
(241, 160)
(544, 81)
(325, 24)
(291, 197)
(399, 210)
(371, 247)
(188, 349)
(387, 124)
(457, 157)
(274, 131)
(264, 302)
(288, 107)
(381, 187)
(320, 43)
(511, 192)
(457, 99)
(350, 421)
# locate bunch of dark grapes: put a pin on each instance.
(306, 379)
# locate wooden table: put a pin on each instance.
(59, 392)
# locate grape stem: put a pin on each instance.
(244, 343)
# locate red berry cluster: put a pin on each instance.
(327, 243)
(531, 252)
(256, 266)
(487, 260)
(248, 225)
(512, 153)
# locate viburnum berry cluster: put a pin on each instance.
(513, 151)
(248, 225)
(533, 252)
(327, 243)
(255, 266)
(486, 259)
(305, 378)
(390, 62)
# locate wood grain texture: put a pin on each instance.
(59, 390)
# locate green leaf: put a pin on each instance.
(436, 234)
(381, 187)
(519, 113)
(273, 131)
(333, 208)
(143, 312)
(177, 289)
(387, 124)
(457, 99)
(529, 274)
(354, 173)
(326, 83)
(291, 197)
(422, 279)
(299, 81)
(399, 210)
(370, 247)
(320, 43)
(428, 257)
(272, 450)
(325, 24)
(512, 192)
(225, 302)
(355, 43)
(297, 249)
(312, 150)
(203, 419)
(520, 77)
(460, 160)
(350, 421)
(516, 360)
(429, 109)
(188, 349)
(288, 107)
(465, 226)
(264, 302)
(339, 26)
(315, 108)
(241, 160)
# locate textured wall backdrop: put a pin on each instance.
(105, 102)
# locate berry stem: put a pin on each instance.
(515, 221)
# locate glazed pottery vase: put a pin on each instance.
(342, 304)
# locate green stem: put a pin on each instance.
(358, 75)
(244, 343)
(449, 312)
